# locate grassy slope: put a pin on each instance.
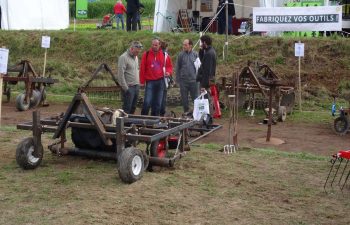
(253, 187)
(73, 56)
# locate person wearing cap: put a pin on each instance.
(128, 76)
(154, 68)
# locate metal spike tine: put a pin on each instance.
(333, 161)
(336, 172)
(346, 179)
(341, 177)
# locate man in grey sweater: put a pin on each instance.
(128, 76)
(186, 73)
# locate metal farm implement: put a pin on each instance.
(254, 93)
(339, 172)
(136, 142)
(34, 92)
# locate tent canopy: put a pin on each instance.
(166, 11)
(34, 14)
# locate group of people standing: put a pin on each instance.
(155, 70)
(133, 17)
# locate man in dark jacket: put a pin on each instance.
(222, 16)
(207, 55)
(132, 10)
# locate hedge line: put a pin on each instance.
(99, 9)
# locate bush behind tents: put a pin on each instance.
(100, 8)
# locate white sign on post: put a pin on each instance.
(299, 49)
(4, 56)
(45, 42)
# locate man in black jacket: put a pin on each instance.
(206, 72)
(207, 55)
(132, 10)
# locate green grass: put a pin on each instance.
(252, 186)
(319, 116)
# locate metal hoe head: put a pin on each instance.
(339, 170)
(228, 149)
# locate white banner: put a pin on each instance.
(4, 57)
(319, 18)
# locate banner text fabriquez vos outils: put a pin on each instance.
(276, 19)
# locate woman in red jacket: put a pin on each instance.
(119, 10)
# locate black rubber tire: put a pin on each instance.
(282, 113)
(27, 156)
(20, 104)
(145, 160)
(8, 94)
(341, 125)
(129, 162)
(35, 99)
(288, 101)
(153, 149)
(43, 95)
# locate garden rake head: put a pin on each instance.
(339, 163)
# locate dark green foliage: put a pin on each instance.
(100, 8)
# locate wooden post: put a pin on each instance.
(226, 31)
(44, 62)
(272, 92)
(299, 85)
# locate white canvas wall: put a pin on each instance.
(34, 14)
(166, 8)
(165, 14)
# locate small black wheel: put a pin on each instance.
(341, 125)
(35, 99)
(145, 160)
(21, 105)
(282, 113)
(159, 149)
(130, 165)
(288, 100)
(27, 156)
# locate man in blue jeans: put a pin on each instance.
(154, 67)
(128, 77)
(132, 10)
(222, 16)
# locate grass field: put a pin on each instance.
(254, 186)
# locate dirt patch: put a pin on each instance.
(299, 137)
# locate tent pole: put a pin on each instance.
(0, 95)
(226, 38)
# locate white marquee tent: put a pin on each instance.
(165, 13)
(34, 14)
